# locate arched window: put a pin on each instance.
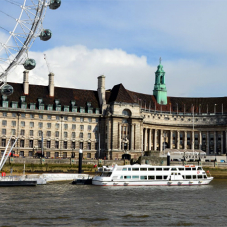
(126, 112)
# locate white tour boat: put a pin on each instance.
(148, 175)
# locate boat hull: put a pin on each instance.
(17, 183)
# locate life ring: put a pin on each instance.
(198, 172)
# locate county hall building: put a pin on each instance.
(109, 123)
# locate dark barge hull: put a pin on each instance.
(17, 183)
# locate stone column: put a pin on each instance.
(155, 139)
(171, 140)
(119, 125)
(215, 142)
(149, 140)
(145, 139)
(160, 145)
(185, 140)
(222, 148)
(200, 140)
(132, 137)
(207, 144)
(178, 140)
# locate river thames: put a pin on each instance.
(64, 204)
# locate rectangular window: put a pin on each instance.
(66, 108)
(89, 119)
(22, 123)
(32, 116)
(13, 123)
(89, 135)
(39, 143)
(22, 132)
(24, 106)
(40, 133)
(40, 124)
(48, 125)
(14, 114)
(65, 126)
(56, 154)
(73, 119)
(48, 154)
(31, 143)
(158, 177)
(40, 116)
(31, 133)
(58, 108)
(57, 134)
(48, 133)
(82, 110)
(32, 106)
(41, 106)
(57, 125)
(88, 155)
(65, 118)
(81, 127)
(73, 135)
(49, 117)
(89, 127)
(21, 143)
(56, 144)
(14, 105)
(4, 123)
(73, 145)
(50, 107)
(150, 177)
(135, 177)
(48, 144)
(143, 169)
(3, 131)
(3, 142)
(135, 169)
(143, 177)
(65, 145)
(81, 135)
(65, 134)
(89, 146)
(73, 126)
(81, 119)
(13, 132)
(5, 103)
(64, 154)
(4, 114)
(31, 124)
(81, 145)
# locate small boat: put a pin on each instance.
(7, 181)
(148, 175)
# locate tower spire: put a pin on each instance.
(160, 61)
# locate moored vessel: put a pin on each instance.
(148, 175)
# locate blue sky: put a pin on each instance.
(123, 39)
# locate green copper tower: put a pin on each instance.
(160, 91)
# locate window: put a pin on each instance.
(40, 116)
(89, 135)
(64, 154)
(14, 114)
(12, 142)
(135, 169)
(21, 143)
(89, 146)
(39, 143)
(31, 124)
(48, 125)
(65, 126)
(5, 103)
(57, 125)
(57, 134)
(58, 108)
(81, 119)
(21, 154)
(73, 145)
(82, 110)
(89, 127)
(31, 143)
(23, 105)
(13, 123)
(4, 123)
(73, 119)
(3, 131)
(4, 114)
(32, 116)
(48, 144)
(22, 131)
(14, 105)
(90, 110)
(73, 126)
(22, 123)
(49, 117)
(56, 154)
(32, 106)
(57, 117)
(65, 134)
(81, 145)
(48, 154)
(31, 132)
(97, 120)
(48, 133)
(40, 124)
(88, 155)
(65, 145)
(13, 132)
(40, 133)
(23, 115)
(81, 135)
(3, 142)
(81, 127)
(41, 106)
(65, 118)
(143, 177)
(50, 107)
(143, 169)
(151, 169)
(73, 135)
(66, 108)
(89, 119)
(56, 144)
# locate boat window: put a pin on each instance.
(166, 169)
(199, 168)
(143, 177)
(119, 168)
(193, 168)
(188, 176)
(205, 176)
(179, 174)
(129, 169)
(124, 169)
(200, 176)
(150, 169)
(181, 169)
(174, 169)
(135, 169)
(106, 175)
(194, 176)
(127, 177)
(143, 169)
(121, 177)
(188, 169)
(158, 177)
(150, 177)
(158, 169)
(165, 177)
(135, 177)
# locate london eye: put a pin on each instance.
(21, 22)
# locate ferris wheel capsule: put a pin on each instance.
(29, 64)
(54, 4)
(45, 34)
(7, 90)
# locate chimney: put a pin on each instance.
(25, 82)
(101, 90)
(51, 85)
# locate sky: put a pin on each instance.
(124, 39)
